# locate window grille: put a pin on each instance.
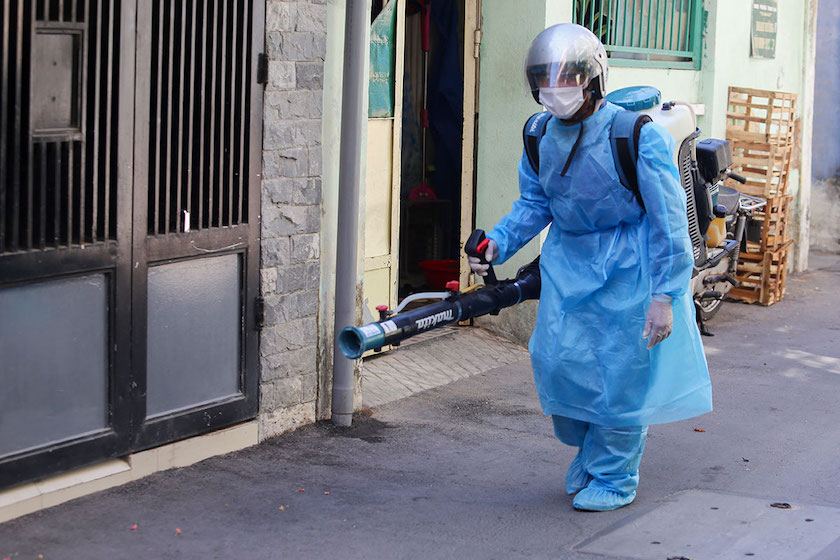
(59, 78)
(200, 115)
(652, 33)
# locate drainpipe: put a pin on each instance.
(349, 188)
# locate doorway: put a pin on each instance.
(419, 200)
(433, 146)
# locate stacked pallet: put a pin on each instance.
(760, 130)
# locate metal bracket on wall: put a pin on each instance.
(262, 69)
(259, 313)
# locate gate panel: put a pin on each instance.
(65, 235)
(193, 349)
(50, 396)
(196, 249)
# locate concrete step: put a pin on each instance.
(434, 359)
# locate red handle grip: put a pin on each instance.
(424, 26)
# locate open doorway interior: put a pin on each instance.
(432, 130)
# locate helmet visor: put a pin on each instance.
(557, 74)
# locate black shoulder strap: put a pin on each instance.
(625, 132)
(532, 135)
(624, 139)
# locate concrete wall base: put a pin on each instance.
(35, 496)
(825, 215)
(277, 422)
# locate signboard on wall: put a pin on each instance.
(763, 28)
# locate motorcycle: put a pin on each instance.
(718, 217)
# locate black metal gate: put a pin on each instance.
(130, 141)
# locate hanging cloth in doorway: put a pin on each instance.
(411, 150)
(382, 48)
(446, 99)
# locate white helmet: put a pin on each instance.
(565, 55)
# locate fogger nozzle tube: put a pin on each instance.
(355, 341)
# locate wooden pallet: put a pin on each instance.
(761, 116)
(761, 132)
(762, 276)
(773, 223)
(765, 166)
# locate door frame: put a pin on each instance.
(472, 42)
(396, 157)
(391, 259)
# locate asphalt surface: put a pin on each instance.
(472, 470)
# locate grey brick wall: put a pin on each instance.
(296, 32)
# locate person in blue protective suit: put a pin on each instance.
(616, 346)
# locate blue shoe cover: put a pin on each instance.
(576, 477)
(597, 497)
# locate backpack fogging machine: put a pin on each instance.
(394, 326)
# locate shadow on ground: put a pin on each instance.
(471, 470)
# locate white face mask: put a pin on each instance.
(562, 102)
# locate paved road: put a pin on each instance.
(471, 470)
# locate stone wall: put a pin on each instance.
(825, 215)
(295, 36)
(826, 152)
(825, 189)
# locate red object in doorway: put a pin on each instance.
(439, 272)
(422, 192)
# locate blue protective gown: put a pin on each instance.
(603, 260)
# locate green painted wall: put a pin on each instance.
(683, 85)
(504, 104)
(727, 60)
